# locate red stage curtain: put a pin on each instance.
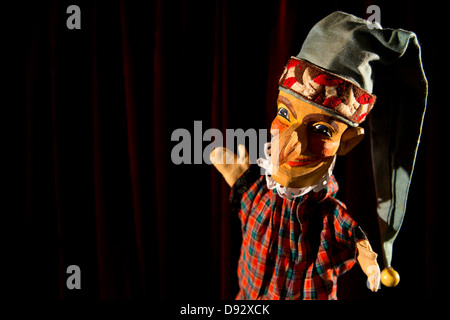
(92, 112)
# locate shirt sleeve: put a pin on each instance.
(344, 255)
(242, 184)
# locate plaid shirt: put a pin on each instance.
(293, 249)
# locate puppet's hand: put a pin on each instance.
(368, 261)
(229, 164)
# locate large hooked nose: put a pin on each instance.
(289, 144)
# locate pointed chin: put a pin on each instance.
(301, 175)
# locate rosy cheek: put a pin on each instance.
(277, 125)
(323, 148)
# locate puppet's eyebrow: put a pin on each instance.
(288, 104)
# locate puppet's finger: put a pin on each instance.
(374, 280)
(216, 156)
(242, 154)
(226, 162)
(222, 155)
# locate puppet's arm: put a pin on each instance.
(229, 164)
(367, 259)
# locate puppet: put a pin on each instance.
(297, 237)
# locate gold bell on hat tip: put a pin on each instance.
(389, 277)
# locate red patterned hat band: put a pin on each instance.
(341, 98)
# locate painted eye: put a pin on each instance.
(322, 129)
(284, 113)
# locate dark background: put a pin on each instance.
(87, 118)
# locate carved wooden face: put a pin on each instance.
(306, 139)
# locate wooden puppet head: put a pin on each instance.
(306, 140)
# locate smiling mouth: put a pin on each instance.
(304, 161)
